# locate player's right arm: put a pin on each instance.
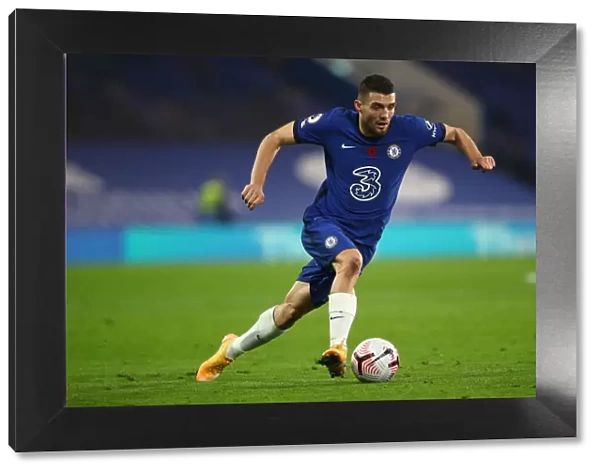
(310, 130)
(269, 147)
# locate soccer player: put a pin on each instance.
(367, 152)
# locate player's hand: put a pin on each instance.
(253, 195)
(485, 163)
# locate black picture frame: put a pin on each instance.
(40, 44)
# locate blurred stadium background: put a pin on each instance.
(159, 149)
(164, 259)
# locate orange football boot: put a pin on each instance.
(215, 365)
(335, 360)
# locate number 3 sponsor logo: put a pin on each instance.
(369, 186)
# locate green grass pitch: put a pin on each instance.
(136, 335)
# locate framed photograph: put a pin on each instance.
(234, 230)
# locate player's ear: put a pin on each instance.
(357, 105)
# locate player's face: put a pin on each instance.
(376, 111)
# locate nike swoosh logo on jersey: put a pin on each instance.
(346, 146)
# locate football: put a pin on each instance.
(375, 361)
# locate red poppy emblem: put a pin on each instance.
(372, 151)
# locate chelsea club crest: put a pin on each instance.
(394, 151)
(330, 242)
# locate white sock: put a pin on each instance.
(342, 309)
(263, 331)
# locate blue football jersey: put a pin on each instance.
(364, 174)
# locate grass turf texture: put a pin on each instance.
(136, 335)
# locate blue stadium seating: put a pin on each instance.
(152, 129)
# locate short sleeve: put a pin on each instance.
(313, 129)
(427, 133)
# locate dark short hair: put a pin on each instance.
(376, 83)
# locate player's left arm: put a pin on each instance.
(465, 144)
